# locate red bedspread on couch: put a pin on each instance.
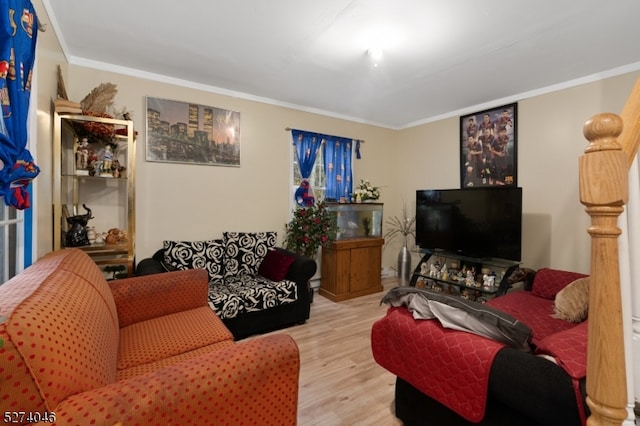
(448, 365)
(453, 367)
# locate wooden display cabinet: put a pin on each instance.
(351, 268)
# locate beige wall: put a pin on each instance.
(549, 143)
(194, 202)
(176, 201)
(48, 56)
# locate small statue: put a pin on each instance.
(115, 236)
(93, 165)
(82, 154)
(488, 280)
(433, 271)
(77, 233)
(116, 168)
(92, 234)
(424, 267)
(107, 159)
(470, 280)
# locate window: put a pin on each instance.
(317, 178)
(10, 229)
(334, 182)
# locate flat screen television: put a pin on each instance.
(479, 222)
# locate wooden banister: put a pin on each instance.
(630, 136)
(603, 191)
(603, 185)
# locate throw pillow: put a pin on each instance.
(245, 250)
(275, 265)
(572, 302)
(196, 255)
(548, 282)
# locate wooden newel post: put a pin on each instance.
(604, 191)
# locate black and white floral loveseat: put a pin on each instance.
(254, 286)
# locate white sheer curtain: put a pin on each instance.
(629, 250)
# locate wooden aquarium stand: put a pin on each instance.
(351, 268)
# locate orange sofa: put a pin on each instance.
(148, 350)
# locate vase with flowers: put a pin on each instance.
(310, 228)
(405, 227)
(366, 192)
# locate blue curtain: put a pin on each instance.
(337, 164)
(18, 33)
(307, 145)
(337, 167)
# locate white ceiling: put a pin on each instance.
(441, 57)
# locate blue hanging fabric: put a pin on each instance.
(18, 34)
(337, 168)
(307, 145)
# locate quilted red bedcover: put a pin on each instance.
(448, 365)
(453, 367)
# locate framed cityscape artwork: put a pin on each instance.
(488, 147)
(184, 132)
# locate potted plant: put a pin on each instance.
(404, 226)
(311, 227)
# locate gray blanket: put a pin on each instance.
(461, 314)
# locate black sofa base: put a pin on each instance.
(417, 409)
(257, 322)
(524, 390)
(272, 319)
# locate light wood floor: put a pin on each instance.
(340, 383)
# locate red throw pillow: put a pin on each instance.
(275, 265)
(548, 282)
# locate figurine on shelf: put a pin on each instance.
(92, 234)
(77, 233)
(93, 165)
(444, 271)
(82, 154)
(107, 159)
(115, 236)
(470, 280)
(116, 168)
(424, 269)
(433, 271)
(100, 237)
(488, 280)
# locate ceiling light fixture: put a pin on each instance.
(376, 55)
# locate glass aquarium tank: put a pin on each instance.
(357, 220)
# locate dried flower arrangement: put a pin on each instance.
(100, 103)
(100, 99)
(404, 226)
